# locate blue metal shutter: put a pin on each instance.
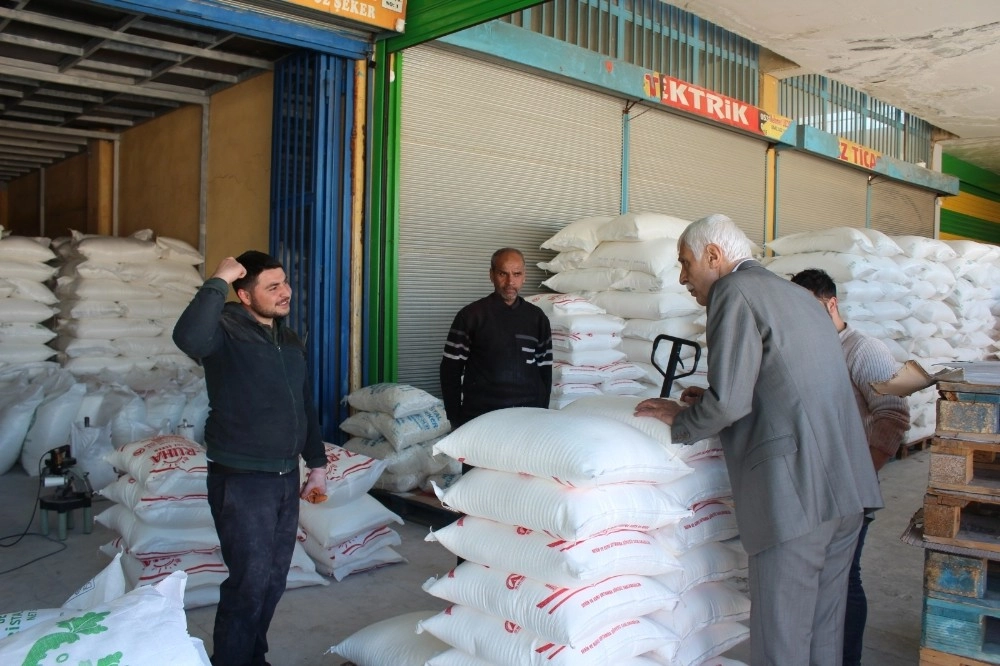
(311, 215)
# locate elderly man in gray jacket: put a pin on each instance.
(781, 401)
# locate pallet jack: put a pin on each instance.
(673, 360)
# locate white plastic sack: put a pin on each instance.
(642, 227)
(391, 641)
(636, 305)
(562, 614)
(51, 428)
(553, 560)
(144, 626)
(397, 400)
(349, 475)
(190, 510)
(496, 640)
(580, 234)
(166, 464)
(569, 513)
(578, 449)
(146, 540)
(333, 525)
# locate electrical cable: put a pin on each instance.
(34, 509)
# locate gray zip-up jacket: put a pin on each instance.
(261, 415)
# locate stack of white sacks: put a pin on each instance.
(165, 525)
(587, 359)
(399, 424)
(119, 300)
(588, 538)
(350, 532)
(26, 303)
(928, 300)
(627, 266)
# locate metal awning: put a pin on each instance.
(71, 71)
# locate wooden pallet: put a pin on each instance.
(962, 627)
(961, 575)
(968, 408)
(964, 465)
(963, 520)
(419, 507)
(929, 657)
(913, 447)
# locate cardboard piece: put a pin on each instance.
(912, 377)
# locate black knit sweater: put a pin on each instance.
(496, 356)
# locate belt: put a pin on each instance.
(219, 468)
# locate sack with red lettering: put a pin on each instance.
(714, 520)
(709, 562)
(456, 657)
(501, 641)
(168, 464)
(348, 475)
(352, 555)
(570, 513)
(551, 559)
(566, 615)
(157, 508)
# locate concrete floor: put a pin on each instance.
(309, 620)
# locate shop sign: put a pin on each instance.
(386, 14)
(708, 104)
(855, 153)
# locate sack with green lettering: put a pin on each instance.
(145, 626)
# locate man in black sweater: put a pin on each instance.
(499, 350)
(262, 420)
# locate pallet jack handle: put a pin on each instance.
(670, 373)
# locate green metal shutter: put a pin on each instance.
(898, 209)
(490, 157)
(689, 169)
(814, 193)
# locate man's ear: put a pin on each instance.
(243, 295)
(831, 305)
(713, 254)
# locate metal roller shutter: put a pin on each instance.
(490, 157)
(902, 210)
(814, 193)
(689, 169)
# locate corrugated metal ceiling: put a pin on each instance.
(72, 71)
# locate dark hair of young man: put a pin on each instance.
(817, 281)
(256, 263)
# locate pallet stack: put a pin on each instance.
(961, 530)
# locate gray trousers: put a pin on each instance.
(798, 592)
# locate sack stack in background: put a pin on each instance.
(565, 506)
(627, 266)
(399, 424)
(119, 300)
(26, 303)
(350, 532)
(585, 350)
(919, 296)
(162, 515)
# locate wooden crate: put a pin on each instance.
(929, 657)
(961, 575)
(962, 627)
(968, 408)
(965, 465)
(965, 520)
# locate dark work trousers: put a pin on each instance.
(857, 606)
(256, 515)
